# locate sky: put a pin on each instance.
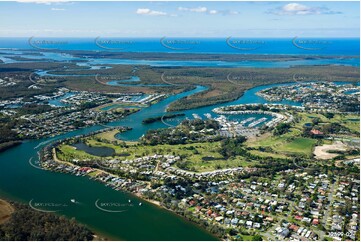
(56, 18)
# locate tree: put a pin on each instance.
(257, 237)
(281, 128)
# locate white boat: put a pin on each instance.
(140, 204)
(72, 200)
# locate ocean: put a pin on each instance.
(227, 45)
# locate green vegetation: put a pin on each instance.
(288, 144)
(219, 89)
(26, 224)
(8, 145)
(8, 137)
(299, 145)
(296, 139)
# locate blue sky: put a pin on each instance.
(179, 19)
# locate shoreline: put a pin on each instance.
(10, 144)
(135, 194)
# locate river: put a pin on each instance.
(22, 182)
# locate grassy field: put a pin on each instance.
(196, 157)
(109, 135)
(284, 145)
(267, 154)
(206, 157)
(300, 145)
(351, 122)
(68, 153)
(293, 143)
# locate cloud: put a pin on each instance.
(47, 2)
(228, 12)
(57, 9)
(147, 11)
(300, 9)
(197, 10)
(207, 11)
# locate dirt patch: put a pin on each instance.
(5, 211)
(258, 138)
(321, 152)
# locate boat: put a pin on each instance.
(72, 200)
(140, 204)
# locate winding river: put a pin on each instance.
(22, 182)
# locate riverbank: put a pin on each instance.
(153, 222)
(98, 174)
(8, 145)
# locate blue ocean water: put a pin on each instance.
(292, 45)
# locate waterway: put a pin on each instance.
(98, 63)
(22, 182)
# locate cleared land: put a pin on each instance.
(322, 152)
